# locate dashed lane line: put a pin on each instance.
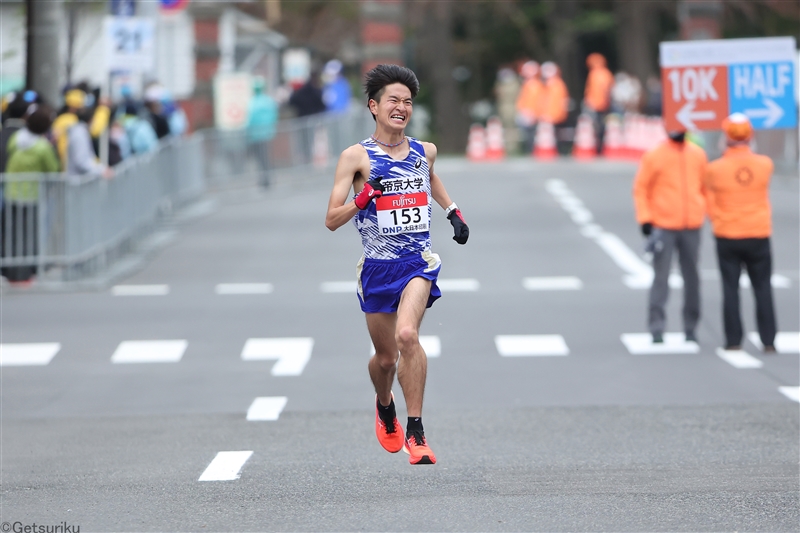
(531, 345)
(739, 358)
(292, 353)
(140, 290)
(793, 393)
(334, 287)
(266, 408)
(458, 285)
(244, 288)
(562, 283)
(163, 351)
(226, 466)
(642, 344)
(785, 342)
(28, 354)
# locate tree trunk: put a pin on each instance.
(564, 47)
(637, 55)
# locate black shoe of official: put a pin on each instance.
(658, 338)
(733, 348)
(770, 349)
(691, 337)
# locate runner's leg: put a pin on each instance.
(413, 367)
(383, 365)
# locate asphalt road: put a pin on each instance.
(541, 417)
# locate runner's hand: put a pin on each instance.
(372, 189)
(460, 227)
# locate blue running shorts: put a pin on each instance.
(381, 281)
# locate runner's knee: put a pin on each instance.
(406, 337)
(386, 360)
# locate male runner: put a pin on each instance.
(393, 180)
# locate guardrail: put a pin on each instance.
(67, 228)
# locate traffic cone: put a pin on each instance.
(585, 145)
(320, 148)
(544, 144)
(476, 143)
(612, 140)
(495, 146)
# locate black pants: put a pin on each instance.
(756, 256)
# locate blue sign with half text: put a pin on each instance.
(765, 92)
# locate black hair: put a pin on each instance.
(40, 120)
(379, 77)
(18, 107)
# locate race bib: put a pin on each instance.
(403, 213)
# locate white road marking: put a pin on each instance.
(244, 288)
(28, 354)
(266, 408)
(140, 290)
(149, 351)
(430, 343)
(530, 345)
(642, 344)
(785, 342)
(793, 393)
(565, 283)
(338, 286)
(226, 466)
(292, 353)
(739, 358)
(458, 285)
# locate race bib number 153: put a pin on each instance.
(403, 213)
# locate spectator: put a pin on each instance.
(307, 100)
(140, 133)
(176, 117)
(262, 116)
(154, 111)
(670, 208)
(529, 104)
(29, 151)
(81, 157)
(337, 92)
(737, 191)
(75, 101)
(652, 105)
(626, 94)
(14, 120)
(507, 89)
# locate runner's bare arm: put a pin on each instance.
(438, 191)
(353, 165)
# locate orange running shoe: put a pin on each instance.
(416, 447)
(389, 435)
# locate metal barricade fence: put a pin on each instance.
(65, 228)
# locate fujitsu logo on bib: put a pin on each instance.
(403, 201)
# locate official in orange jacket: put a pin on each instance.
(670, 208)
(556, 95)
(737, 192)
(597, 95)
(529, 103)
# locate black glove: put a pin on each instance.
(460, 228)
(372, 189)
(647, 229)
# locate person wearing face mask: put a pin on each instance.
(670, 209)
(737, 191)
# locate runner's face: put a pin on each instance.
(394, 109)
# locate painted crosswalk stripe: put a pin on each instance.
(244, 288)
(292, 353)
(642, 344)
(739, 358)
(530, 345)
(563, 283)
(170, 351)
(785, 342)
(431, 344)
(458, 285)
(140, 290)
(226, 466)
(338, 286)
(266, 408)
(28, 354)
(793, 393)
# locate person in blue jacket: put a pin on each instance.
(337, 92)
